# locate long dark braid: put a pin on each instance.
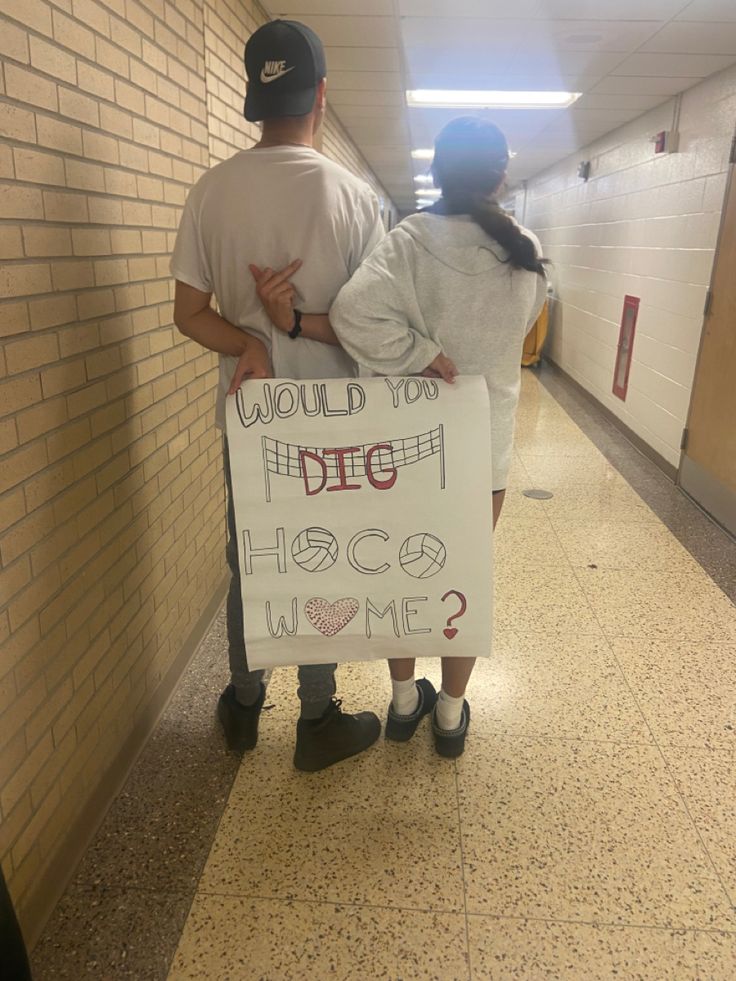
(470, 160)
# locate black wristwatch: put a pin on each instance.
(297, 328)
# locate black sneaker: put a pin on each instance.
(334, 737)
(450, 743)
(401, 728)
(240, 722)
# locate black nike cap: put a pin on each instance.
(284, 62)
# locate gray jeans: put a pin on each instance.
(316, 681)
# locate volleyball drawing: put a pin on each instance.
(315, 549)
(288, 459)
(422, 556)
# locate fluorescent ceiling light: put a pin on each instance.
(421, 203)
(424, 178)
(479, 99)
(428, 192)
(429, 154)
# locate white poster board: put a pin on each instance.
(364, 518)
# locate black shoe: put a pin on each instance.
(240, 722)
(450, 743)
(334, 737)
(401, 728)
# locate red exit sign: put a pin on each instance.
(625, 346)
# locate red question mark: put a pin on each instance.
(450, 632)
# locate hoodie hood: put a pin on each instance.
(457, 242)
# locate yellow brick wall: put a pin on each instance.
(111, 496)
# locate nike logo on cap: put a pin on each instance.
(273, 70)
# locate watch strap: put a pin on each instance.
(297, 328)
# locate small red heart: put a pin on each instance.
(450, 632)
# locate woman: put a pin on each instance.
(452, 289)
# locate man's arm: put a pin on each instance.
(277, 296)
(196, 319)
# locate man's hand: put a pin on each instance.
(277, 294)
(442, 368)
(252, 363)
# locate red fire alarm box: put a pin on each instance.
(625, 346)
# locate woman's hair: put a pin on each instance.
(470, 160)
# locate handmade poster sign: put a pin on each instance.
(363, 513)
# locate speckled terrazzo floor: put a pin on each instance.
(587, 833)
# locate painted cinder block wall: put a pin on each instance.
(111, 490)
(643, 225)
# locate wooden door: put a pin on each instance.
(708, 463)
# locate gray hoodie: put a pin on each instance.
(440, 284)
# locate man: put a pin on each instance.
(260, 208)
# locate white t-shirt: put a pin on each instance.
(268, 207)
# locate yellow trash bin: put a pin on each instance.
(534, 342)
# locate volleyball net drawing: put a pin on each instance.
(289, 459)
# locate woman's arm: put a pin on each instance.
(378, 319)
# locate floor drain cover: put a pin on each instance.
(538, 495)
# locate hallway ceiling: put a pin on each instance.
(625, 56)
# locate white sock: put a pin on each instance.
(449, 711)
(405, 700)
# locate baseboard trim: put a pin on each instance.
(709, 494)
(643, 447)
(55, 879)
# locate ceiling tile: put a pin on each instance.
(576, 82)
(550, 61)
(455, 69)
(379, 154)
(396, 176)
(468, 33)
(595, 119)
(335, 7)
(687, 65)
(625, 56)
(351, 31)
(362, 59)
(359, 114)
(377, 131)
(599, 100)
(490, 9)
(680, 36)
(719, 10)
(589, 35)
(612, 9)
(635, 85)
(397, 171)
(372, 81)
(364, 97)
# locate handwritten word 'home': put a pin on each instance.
(396, 615)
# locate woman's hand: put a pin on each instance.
(254, 362)
(442, 368)
(277, 294)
